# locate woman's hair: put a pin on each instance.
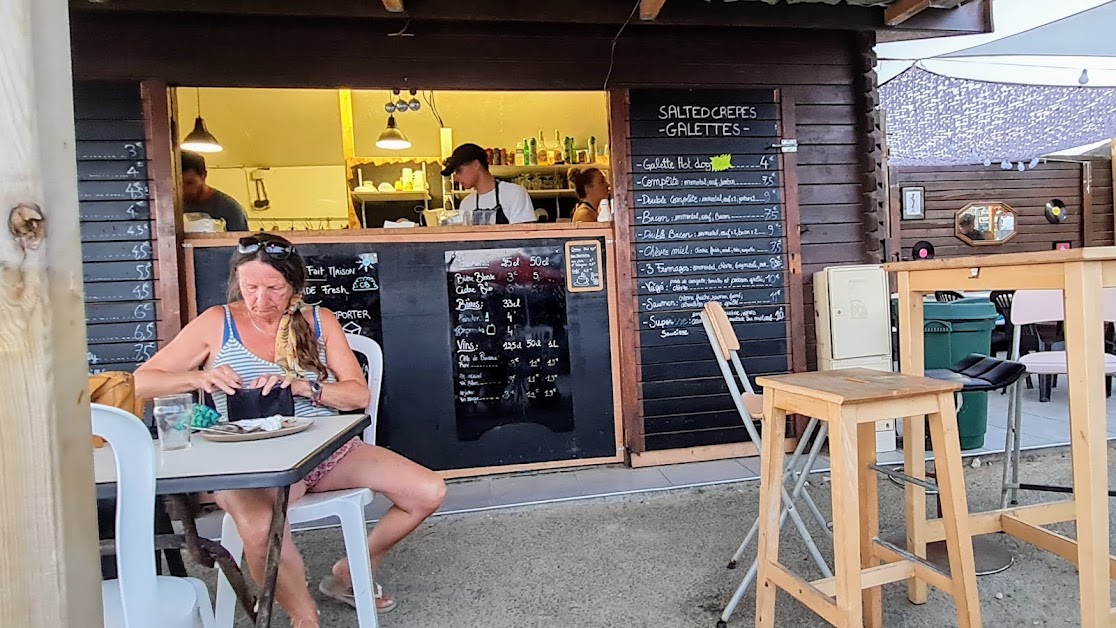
(580, 178)
(293, 269)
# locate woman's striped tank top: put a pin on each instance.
(248, 366)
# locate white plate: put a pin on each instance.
(291, 425)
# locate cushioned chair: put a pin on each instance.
(1031, 307)
(346, 505)
(138, 598)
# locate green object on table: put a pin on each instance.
(953, 330)
(204, 416)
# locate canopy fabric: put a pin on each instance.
(934, 120)
(1085, 34)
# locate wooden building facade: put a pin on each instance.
(814, 62)
(1085, 188)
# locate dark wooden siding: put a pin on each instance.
(814, 69)
(948, 189)
(1101, 227)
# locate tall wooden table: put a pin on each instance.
(1081, 274)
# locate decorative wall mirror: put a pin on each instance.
(985, 224)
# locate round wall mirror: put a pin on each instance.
(984, 224)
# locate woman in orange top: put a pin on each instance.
(592, 187)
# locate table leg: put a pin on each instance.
(1084, 297)
(911, 361)
(868, 481)
(274, 548)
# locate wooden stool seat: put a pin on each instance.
(850, 401)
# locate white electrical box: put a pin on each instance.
(853, 322)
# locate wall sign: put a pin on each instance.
(583, 266)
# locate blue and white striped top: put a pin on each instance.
(249, 366)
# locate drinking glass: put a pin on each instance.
(172, 419)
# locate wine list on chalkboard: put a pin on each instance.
(709, 225)
(508, 330)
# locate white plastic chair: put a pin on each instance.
(346, 505)
(138, 598)
(1029, 307)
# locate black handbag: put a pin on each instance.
(251, 403)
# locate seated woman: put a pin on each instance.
(592, 187)
(267, 337)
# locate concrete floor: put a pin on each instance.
(659, 559)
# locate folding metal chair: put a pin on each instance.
(726, 348)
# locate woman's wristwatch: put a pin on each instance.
(315, 392)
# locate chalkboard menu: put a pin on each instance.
(488, 359)
(341, 277)
(509, 336)
(116, 235)
(583, 266)
(709, 225)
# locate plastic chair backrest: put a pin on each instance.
(134, 453)
(1002, 300)
(371, 351)
(1046, 306)
(945, 296)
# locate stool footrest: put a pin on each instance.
(922, 568)
(871, 577)
(903, 477)
(821, 603)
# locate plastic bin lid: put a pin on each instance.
(969, 309)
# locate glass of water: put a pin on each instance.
(172, 419)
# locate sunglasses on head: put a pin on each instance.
(274, 250)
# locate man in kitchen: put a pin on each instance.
(197, 196)
(492, 201)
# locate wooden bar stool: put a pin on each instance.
(850, 401)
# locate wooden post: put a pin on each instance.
(49, 562)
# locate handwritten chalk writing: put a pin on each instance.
(697, 112)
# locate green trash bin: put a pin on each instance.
(952, 331)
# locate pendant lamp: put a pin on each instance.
(392, 138)
(200, 140)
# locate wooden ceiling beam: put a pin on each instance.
(903, 10)
(649, 9)
(394, 6)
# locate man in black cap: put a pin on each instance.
(505, 203)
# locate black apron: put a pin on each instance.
(501, 217)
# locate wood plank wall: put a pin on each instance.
(1101, 228)
(948, 189)
(816, 69)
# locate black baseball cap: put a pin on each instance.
(462, 155)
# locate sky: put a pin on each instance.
(1009, 17)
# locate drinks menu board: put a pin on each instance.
(708, 225)
(114, 207)
(508, 331)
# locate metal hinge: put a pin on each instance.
(787, 146)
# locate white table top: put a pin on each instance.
(211, 466)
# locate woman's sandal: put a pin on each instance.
(332, 587)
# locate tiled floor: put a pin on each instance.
(1044, 425)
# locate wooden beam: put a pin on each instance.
(49, 561)
(649, 9)
(904, 10)
(393, 6)
(1087, 226)
(164, 170)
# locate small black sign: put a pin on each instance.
(583, 266)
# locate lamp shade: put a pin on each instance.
(200, 140)
(392, 138)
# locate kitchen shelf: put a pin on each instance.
(539, 193)
(368, 197)
(511, 171)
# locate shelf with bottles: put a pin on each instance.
(504, 172)
(535, 193)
